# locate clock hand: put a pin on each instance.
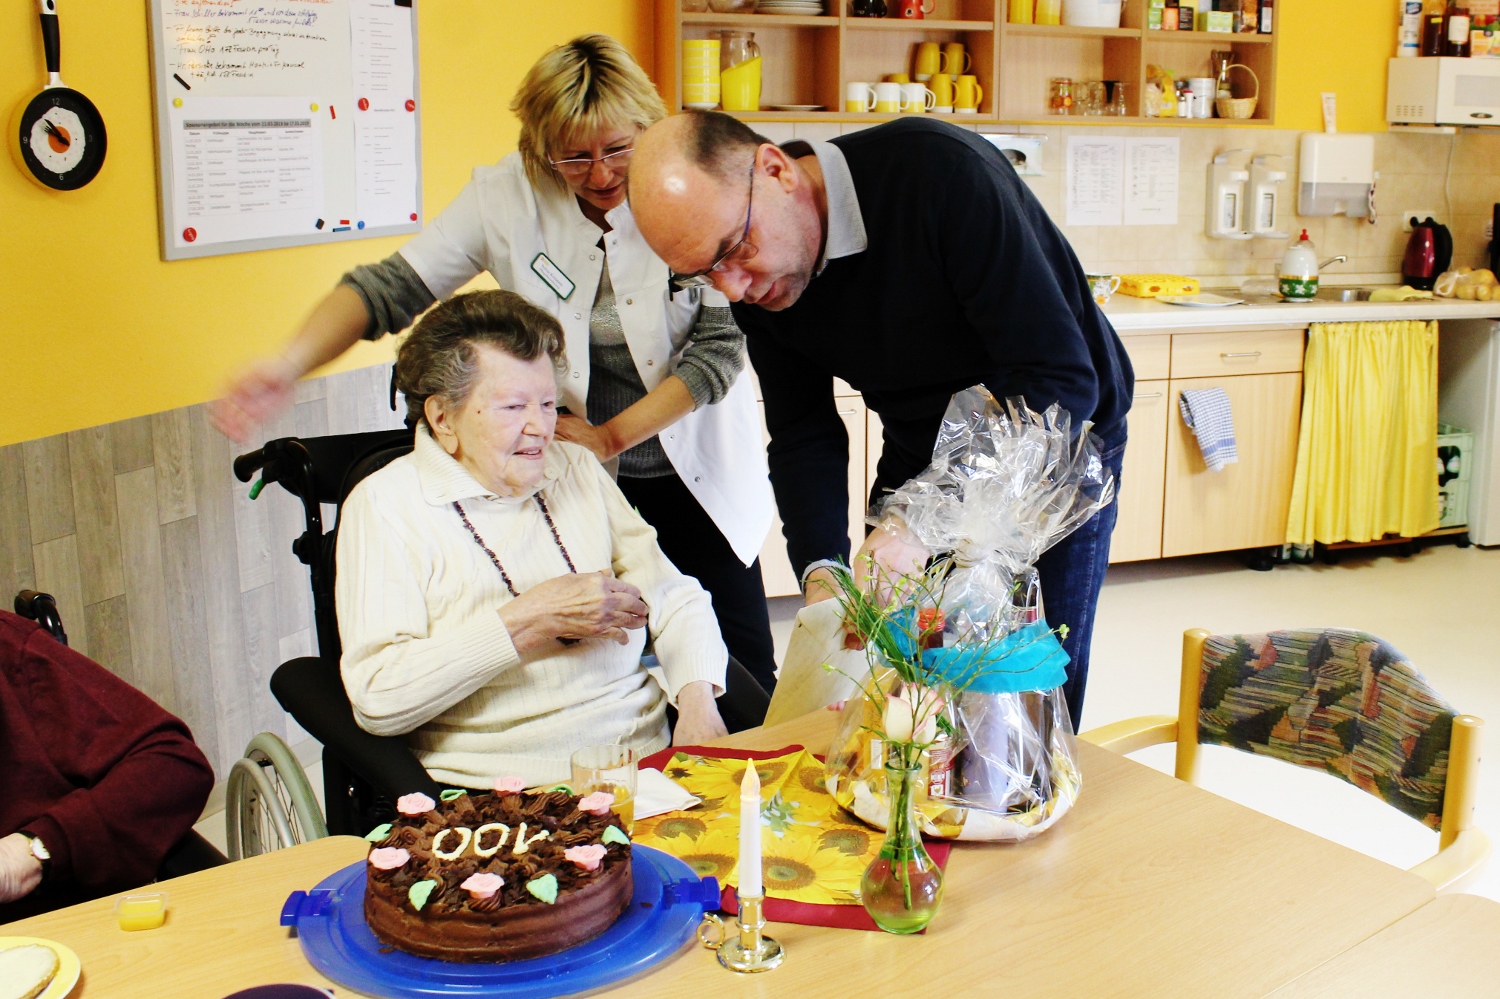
(56, 132)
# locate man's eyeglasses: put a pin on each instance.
(743, 248)
(583, 165)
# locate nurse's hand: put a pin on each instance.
(256, 396)
(698, 718)
(599, 440)
(578, 605)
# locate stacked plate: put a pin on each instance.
(799, 7)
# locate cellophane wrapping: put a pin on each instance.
(1005, 484)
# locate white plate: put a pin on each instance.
(796, 107)
(1205, 300)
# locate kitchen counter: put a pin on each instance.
(1138, 315)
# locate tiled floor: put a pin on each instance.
(1438, 607)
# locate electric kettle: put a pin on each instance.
(1429, 251)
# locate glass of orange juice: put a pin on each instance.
(611, 769)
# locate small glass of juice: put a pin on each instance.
(141, 912)
(611, 769)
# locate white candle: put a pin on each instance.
(749, 879)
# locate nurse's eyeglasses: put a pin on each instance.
(581, 167)
(744, 249)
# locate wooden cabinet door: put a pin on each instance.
(1245, 505)
(1143, 479)
(775, 567)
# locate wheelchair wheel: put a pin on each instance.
(269, 804)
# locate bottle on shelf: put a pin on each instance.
(1409, 33)
(1434, 23)
(1457, 32)
(1266, 12)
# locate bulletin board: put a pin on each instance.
(284, 122)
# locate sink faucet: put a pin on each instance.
(1340, 259)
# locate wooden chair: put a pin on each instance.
(1343, 702)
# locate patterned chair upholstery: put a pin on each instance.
(1343, 702)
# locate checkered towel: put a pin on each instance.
(1207, 414)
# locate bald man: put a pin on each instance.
(911, 261)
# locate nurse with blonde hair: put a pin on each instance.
(651, 376)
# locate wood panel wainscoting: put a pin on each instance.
(164, 571)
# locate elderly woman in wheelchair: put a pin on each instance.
(495, 591)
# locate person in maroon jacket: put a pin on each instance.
(97, 782)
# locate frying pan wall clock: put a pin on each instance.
(59, 134)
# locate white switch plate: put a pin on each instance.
(1420, 214)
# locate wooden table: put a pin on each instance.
(1150, 887)
(1449, 948)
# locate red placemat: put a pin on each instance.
(845, 917)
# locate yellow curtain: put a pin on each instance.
(1367, 452)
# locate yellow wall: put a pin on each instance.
(95, 327)
(1334, 45)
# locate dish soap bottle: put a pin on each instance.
(1299, 271)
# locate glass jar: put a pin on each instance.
(739, 71)
(1062, 96)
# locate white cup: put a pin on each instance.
(1204, 88)
(859, 98)
(888, 98)
(916, 98)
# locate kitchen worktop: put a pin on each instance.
(1130, 315)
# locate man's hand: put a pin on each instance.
(698, 718)
(20, 872)
(256, 395)
(894, 551)
(597, 439)
(578, 605)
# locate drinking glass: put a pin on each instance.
(611, 769)
(1093, 98)
(1119, 104)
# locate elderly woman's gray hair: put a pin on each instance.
(438, 358)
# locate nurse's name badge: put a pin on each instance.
(543, 267)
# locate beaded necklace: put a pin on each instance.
(556, 538)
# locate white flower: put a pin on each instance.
(904, 722)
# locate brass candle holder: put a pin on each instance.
(750, 950)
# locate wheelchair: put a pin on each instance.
(269, 805)
(190, 853)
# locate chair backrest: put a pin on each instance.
(1343, 702)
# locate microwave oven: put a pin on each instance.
(1443, 91)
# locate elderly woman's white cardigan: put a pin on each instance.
(426, 654)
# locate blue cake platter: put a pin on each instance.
(663, 917)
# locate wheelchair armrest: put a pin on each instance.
(1456, 867)
(1133, 733)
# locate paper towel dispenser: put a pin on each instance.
(1337, 174)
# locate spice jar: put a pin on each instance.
(1062, 95)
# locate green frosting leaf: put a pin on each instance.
(544, 888)
(452, 793)
(561, 787)
(419, 892)
(613, 834)
(379, 833)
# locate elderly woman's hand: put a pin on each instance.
(698, 718)
(20, 872)
(578, 605)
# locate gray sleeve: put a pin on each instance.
(713, 357)
(392, 292)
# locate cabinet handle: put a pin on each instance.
(846, 412)
(1147, 395)
(1248, 353)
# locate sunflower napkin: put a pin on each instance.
(813, 852)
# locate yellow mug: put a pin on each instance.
(955, 60)
(895, 78)
(888, 98)
(929, 61)
(967, 95)
(942, 89)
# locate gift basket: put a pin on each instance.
(968, 636)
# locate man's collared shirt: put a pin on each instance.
(846, 224)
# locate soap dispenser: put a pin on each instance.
(1266, 176)
(1299, 271)
(1225, 212)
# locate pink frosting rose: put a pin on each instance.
(415, 804)
(510, 785)
(482, 885)
(587, 857)
(597, 803)
(388, 858)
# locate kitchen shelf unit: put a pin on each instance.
(809, 59)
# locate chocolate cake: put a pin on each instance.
(498, 876)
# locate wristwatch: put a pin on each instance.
(40, 852)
